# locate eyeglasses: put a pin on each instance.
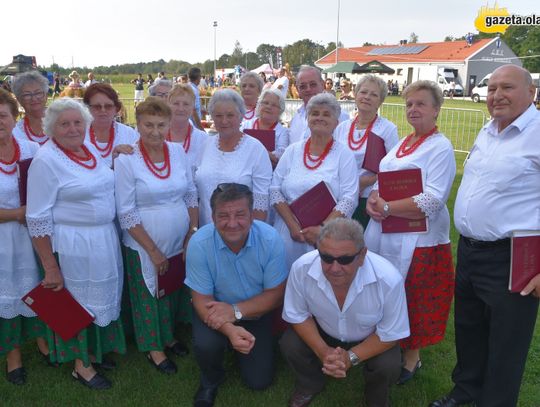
(161, 94)
(343, 260)
(36, 95)
(108, 107)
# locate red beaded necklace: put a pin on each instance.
(78, 160)
(256, 125)
(316, 160)
(357, 144)
(108, 148)
(187, 140)
(154, 169)
(16, 157)
(403, 150)
(249, 114)
(31, 135)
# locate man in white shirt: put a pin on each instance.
(91, 80)
(282, 82)
(345, 306)
(308, 83)
(499, 194)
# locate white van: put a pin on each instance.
(479, 92)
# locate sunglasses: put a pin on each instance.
(343, 260)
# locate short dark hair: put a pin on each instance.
(194, 74)
(153, 106)
(230, 191)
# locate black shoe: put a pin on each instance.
(179, 349)
(47, 359)
(205, 396)
(17, 376)
(448, 401)
(167, 366)
(98, 382)
(106, 364)
(407, 375)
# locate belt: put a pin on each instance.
(482, 244)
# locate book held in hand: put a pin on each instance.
(173, 279)
(375, 152)
(314, 206)
(59, 310)
(525, 259)
(394, 185)
(266, 137)
(22, 176)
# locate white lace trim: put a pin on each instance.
(346, 207)
(427, 203)
(191, 199)
(260, 202)
(236, 147)
(276, 197)
(40, 227)
(129, 219)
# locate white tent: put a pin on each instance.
(266, 68)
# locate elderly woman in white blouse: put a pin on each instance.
(303, 165)
(157, 209)
(369, 93)
(270, 107)
(70, 215)
(251, 86)
(232, 156)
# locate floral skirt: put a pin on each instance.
(430, 289)
(14, 332)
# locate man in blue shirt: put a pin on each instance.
(236, 271)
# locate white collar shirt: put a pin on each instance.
(500, 189)
(375, 303)
(298, 127)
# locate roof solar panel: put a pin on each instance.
(415, 49)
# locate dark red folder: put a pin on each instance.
(173, 279)
(394, 185)
(314, 206)
(59, 310)
(266, 137)
(525, 263)
(375, 152)
(22, 174)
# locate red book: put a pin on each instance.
(394, 185)
(375, 152)
(266, 137)
(59, 310)
(173, 279)
(314, 206)
(22, 175)
(525, 259)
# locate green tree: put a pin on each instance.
(266, 53)
(413, 38)
(237, 56)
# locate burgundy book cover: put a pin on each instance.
(394, 185)
(266, 137)
(22, 174)
(525, 263)
(314, 206)
(375, 152)
(59, 310)
(173, 279)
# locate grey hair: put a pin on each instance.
(343, 229)
(307, 68)
(430, 86)
(327, 100)
(275, 92)
(227, 95)
(25, 78)
(161, 82)
(255, 77)
(383, 87)
(58, 107)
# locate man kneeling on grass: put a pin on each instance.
(236, 271)
(346, 307)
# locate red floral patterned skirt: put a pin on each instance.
(430, 289)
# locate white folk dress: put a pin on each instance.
(20, 134)
(18, 269)
(292, 179)
(159, 205)
(122, 135)
(75, 207)
(248, 164)
(435, 157)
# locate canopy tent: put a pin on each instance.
(266, 68)
(343, 67)
(375, 67)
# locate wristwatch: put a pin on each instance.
(386, 209)
(237, 312)
(353, 357)
(193, 229)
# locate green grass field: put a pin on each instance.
(136, 383)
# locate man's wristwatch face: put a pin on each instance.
(237, 313)
(386, 209)
(355, 360)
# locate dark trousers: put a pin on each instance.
(256, 368)
(380, 371)
(494, 327)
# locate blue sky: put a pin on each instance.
(111, 32)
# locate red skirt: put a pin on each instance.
(430, 289)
